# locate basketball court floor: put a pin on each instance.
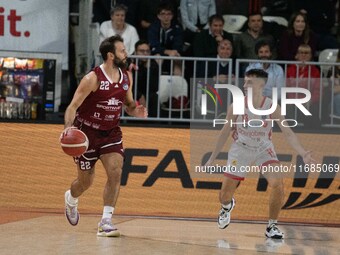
(51, 234)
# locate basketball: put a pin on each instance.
(74, 142)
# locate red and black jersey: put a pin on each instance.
(102, 109)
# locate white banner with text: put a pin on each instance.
(35, 26)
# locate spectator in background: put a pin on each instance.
(322, 14)
(205, 43)
(148, 14)
(117, 25)
(195, 16)
(305, 76)
(165, 35)
(101, 10)
(219, 70)
(276, 77)
(297, 33)
(133, 7)
(147, 76)
(246, 41)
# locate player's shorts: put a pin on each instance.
(241, 157)
(100, 142)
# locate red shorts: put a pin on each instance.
(100, 142)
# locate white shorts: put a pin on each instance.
(241, 157)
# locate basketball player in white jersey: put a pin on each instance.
(253, 146)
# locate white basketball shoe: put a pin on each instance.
(71, 211)
(107, 229)
(224, 215)
(274, 232)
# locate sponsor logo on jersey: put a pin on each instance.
(113, 101)
(109, 117)
(113, 104)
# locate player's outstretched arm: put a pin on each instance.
(223, 136)
(131, 107)
(86, 86)
(292, 138)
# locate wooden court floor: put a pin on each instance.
(50, 233)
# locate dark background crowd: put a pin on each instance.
(196, 28)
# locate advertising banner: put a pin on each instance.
(35, 26)
(157, 178)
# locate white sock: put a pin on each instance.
(107, 212)
(227, 207)
(270, 222)
(71, 200)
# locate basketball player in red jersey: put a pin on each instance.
(95, 109)
(252, 145)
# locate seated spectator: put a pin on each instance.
(246, 41)
(117, 25)
(219, 70)
(148, 14)
(205, 43)
(101, 10)
(133, 8)
(297, 33)
(305, 76)
(147, 76)
(195, 15)
(322, 18)
(276, 78)
(165, 36)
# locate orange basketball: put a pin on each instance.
(74, 142)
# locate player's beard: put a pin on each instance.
(120, 63)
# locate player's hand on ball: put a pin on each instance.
(74, 142)
(65, 131)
